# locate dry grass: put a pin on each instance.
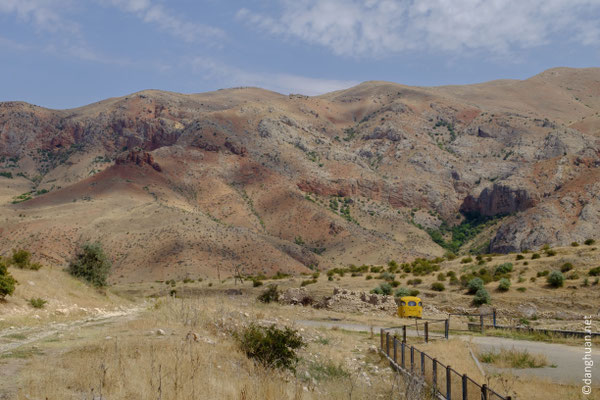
(137, 363)
(513, 358)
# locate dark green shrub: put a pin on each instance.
(414, 292)
(91, 264)
(386, 276)
(7, 282)
(414, 282)
(270, 294)
(402, 292)
(37, 303)
(384, 288)
(474, 285)
(556, 279)
(566, 267)
(308, 282)
(481, 297)
(503, 269)
(395, 283)
(504, 285)
(438, 286)
(574, 244)
(520, 257)
(521, 289)
(271, 347)
(543, 273)
(550, 253)
(535, 256)
(589, 242)
(594, 271)
(441, 277)
(369, 277)
(466, 260)
(256, 283)
(450, 256)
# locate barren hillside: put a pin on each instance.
(178, 185)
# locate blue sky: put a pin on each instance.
(67, 53)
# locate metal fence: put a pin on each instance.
(426, 329)
(445, 382)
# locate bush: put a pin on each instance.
(503, 269)
(37, 303)
(566, 267)
(504, 285)
(7, 282)
(308, 282)
(589, 242)
(369, 277)
(535, 256)
(474, 285)
(415, 292)
(256, 283)
(414, 282)
(271, 347)
(543, 273)
(438, 286)
(386, 276)
(594, 271)
(574, 244)
(521, 289)
(384, 288)
(450, 256)
(22, 259)
(441, 277)
(91, 264)
(402, 292)
(466, 260)
(271, 293)
(556, 279)
(482, 297)
(550, 253)
(520, 257)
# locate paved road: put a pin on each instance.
(567, 359)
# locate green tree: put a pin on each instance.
(91, 264)
(7, 282)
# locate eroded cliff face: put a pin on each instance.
(499, 200)
(347, 175)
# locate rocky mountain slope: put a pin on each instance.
(194, 185)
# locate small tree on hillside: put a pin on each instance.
(7, 282)
(91, 264)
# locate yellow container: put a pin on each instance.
(410, 306)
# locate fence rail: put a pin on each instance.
(445, 382)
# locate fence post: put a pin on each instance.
(404, 333)
(447, 328)
(412, 359)
(423, 364)
(448, 383)
(395, 350)
(434, 376)
(484, 392)
(494, 314)
(381, 337)
(464, 387)
(387, 343)
(481, 323)
(403, 354)
(426, 332)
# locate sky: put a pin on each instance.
(68, 53)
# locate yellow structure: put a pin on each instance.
(410, 306)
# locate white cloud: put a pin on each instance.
(377, 27)
(44, 14)
(278, 82)
(149, 12)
